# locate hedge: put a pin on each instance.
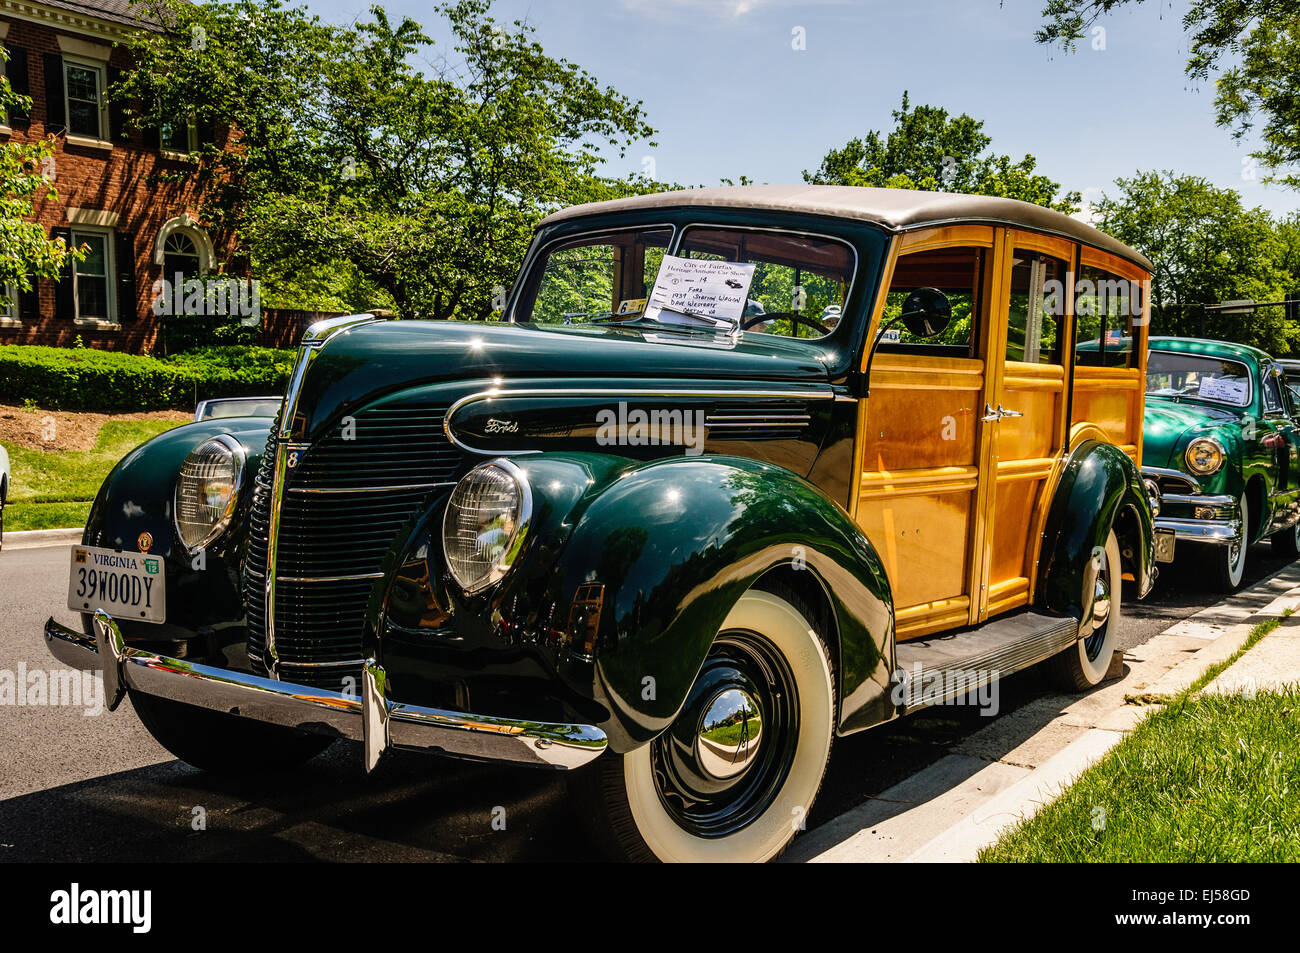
(59, 378)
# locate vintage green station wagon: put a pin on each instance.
(740, 471)
(1221, 454)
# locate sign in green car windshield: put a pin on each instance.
(1198, 377)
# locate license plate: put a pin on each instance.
(1165, 546)
(125, 585)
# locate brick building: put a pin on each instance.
(64, 54)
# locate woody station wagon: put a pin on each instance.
(742, 470)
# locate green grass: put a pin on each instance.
(1207, 779)
(54, 488)
(22, 516)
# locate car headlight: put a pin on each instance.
(207, 491)
(1204, 456)
(486, 523)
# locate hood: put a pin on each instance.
(368, 361)
(1168, 426)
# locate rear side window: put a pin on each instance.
(1105, 309)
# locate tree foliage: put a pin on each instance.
(1207, 248)
(1253, 45)
(25, 252)
(930, 149)
(351, 169)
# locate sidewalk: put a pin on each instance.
(33, 538)
(1023, 760)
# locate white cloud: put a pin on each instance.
(721, 9)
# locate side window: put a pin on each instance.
(958, 273)
(1038, 290)
(596, 276)
(1105, 307)
(1272, 397)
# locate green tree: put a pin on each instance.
(930, 149)
(420, 190)
(1206, 248)
(1253, 45)
(25, 252)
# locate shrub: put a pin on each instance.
(90, 379)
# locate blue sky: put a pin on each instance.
(730, 96)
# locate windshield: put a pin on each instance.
(754, 280)
(1198, 377)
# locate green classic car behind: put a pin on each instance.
(1220, 454)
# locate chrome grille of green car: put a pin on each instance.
(343, 505)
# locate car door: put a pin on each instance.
(1281, 438)
(1028, 349)
(921, 439)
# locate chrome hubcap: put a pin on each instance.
(729, 735)
(1101, 600)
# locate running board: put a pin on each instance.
(938, 669)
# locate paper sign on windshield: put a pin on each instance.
(715, 289)
(1221, 388)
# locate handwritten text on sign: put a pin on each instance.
(713, 289)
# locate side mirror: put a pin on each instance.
(927, 312)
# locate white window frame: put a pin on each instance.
(110, 279)
(101, 80)
(9, 306)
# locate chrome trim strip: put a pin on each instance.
(344, 663)
(1199, 499)
(373, 719)
(327, 491)
(313, 339)
(360, 575)
(498, 393)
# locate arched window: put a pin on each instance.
(183, 247)
(180, 256)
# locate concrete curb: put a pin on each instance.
(1009, 770)
(33, 538)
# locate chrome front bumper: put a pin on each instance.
(1193, 516)
(379, 724)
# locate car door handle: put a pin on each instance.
(1008, 413)
(990, 414)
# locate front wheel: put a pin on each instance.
(734, 776)
(1084, 664)
(1227, 563)
(223, 743)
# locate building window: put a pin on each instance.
(179, 136)
(9, 302)
(180, 257)
(84, 84)
(90, 278)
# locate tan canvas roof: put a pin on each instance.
(895, 209)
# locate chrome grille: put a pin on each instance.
(343, 506)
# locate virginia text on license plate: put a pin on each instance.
(125, 585)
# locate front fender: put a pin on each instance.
(136, 498)
(1100, 489)
(630, 570)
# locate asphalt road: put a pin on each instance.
(82, 788)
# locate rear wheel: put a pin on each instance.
(224, 743)
(734, 776)
(1084, 664)
(1287, 542)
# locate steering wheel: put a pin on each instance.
(785, 316)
